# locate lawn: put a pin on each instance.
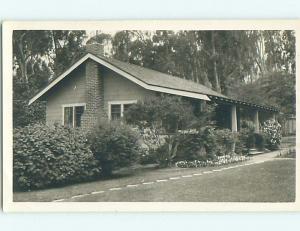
(271, 181)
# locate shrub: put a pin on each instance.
(218, 142)
(115, 145)
(260, 140)
(207, 143)
(210, 142)
(151, 141)
(225, 141)
(151, 138)
(167, 115)
(247, 134)
(240, 147)
(51, 155)
(247, 138)
(272, 132)
(191, 148)
(147, 157)
(161, 155)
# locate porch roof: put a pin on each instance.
(244, 103)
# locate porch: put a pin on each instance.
(230, 113)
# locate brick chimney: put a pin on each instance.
(94, 89)
(95, 48)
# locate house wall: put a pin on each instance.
(71, 90)
(118, 88)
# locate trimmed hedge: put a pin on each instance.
(50, 156)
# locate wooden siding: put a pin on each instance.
(70, 91)
(118, 88)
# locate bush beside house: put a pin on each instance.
(55, 155)
(272, 131)
(46, 156)
(171, 131)
(114, 145)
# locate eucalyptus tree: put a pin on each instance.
(38, 57)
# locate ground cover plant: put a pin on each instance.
(218, 161)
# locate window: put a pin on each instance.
(116, 109)
(72, 115)
(78, 113)
(68, 116)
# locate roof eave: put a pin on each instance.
(123, 73)
(268, 108)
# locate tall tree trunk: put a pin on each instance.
(216, 77)
(23, 61)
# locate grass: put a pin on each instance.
(272, 181)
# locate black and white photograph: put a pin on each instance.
(184, 115)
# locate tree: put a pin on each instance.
(121, 45)
(28, 48)
(213, 58)
(274, 83)
(280, 51)
(100, 38)
(68, 46)
(38, 57)
(274, 89)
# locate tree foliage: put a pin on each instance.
(231, 62)
(38, 57)
(225, 61)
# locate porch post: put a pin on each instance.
(256, 121)
(233, 119)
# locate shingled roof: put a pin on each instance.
(154, 79)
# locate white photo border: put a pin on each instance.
(10, 206)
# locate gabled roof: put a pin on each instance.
(144, 77)
(151, 80)
(156, 78)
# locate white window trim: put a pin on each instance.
(121, 102)
(73, 105)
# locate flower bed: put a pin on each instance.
(220, 160)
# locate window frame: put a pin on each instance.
(73, 105)
(119, 102)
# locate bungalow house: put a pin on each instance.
(95, 84)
